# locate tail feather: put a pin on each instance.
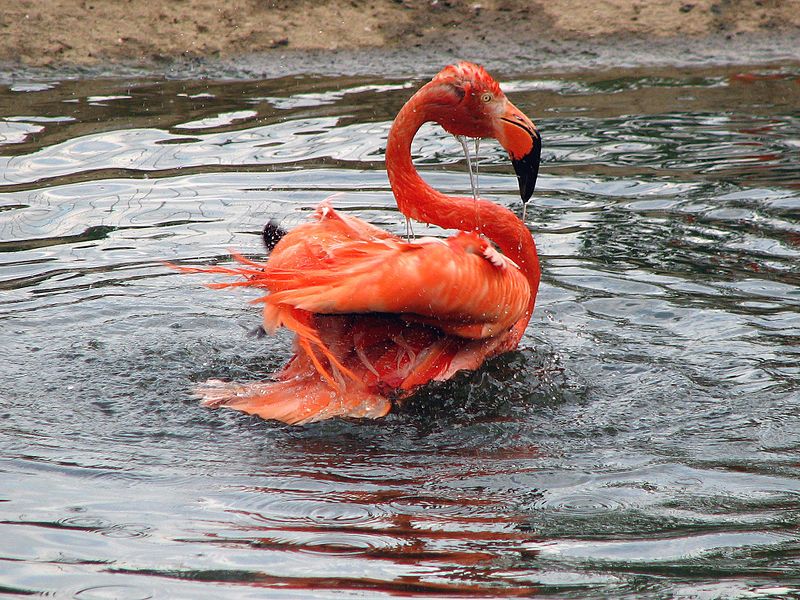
(252, 272)
(296, 401)
(300, 321)
(432, 363)
(272, 234)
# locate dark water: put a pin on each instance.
(643, 442)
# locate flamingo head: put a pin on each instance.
(465, 100)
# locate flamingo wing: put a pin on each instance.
(462, 286)
(375, 317)
(307, 245)
(387, 360)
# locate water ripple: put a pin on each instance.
(642, 441)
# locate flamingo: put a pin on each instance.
(376, 316)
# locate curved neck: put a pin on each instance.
(418, 200)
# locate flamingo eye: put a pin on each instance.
(487, 97)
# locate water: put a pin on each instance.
(643, 442)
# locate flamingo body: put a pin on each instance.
(375, 316)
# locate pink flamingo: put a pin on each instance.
(376, 316)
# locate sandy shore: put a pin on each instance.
(269, 35)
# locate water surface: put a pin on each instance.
(643, 441)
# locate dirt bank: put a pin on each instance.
(57, 33)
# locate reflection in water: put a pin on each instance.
(641, 443)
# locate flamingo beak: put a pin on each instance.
(519, 136)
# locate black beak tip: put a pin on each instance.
(527, 169)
